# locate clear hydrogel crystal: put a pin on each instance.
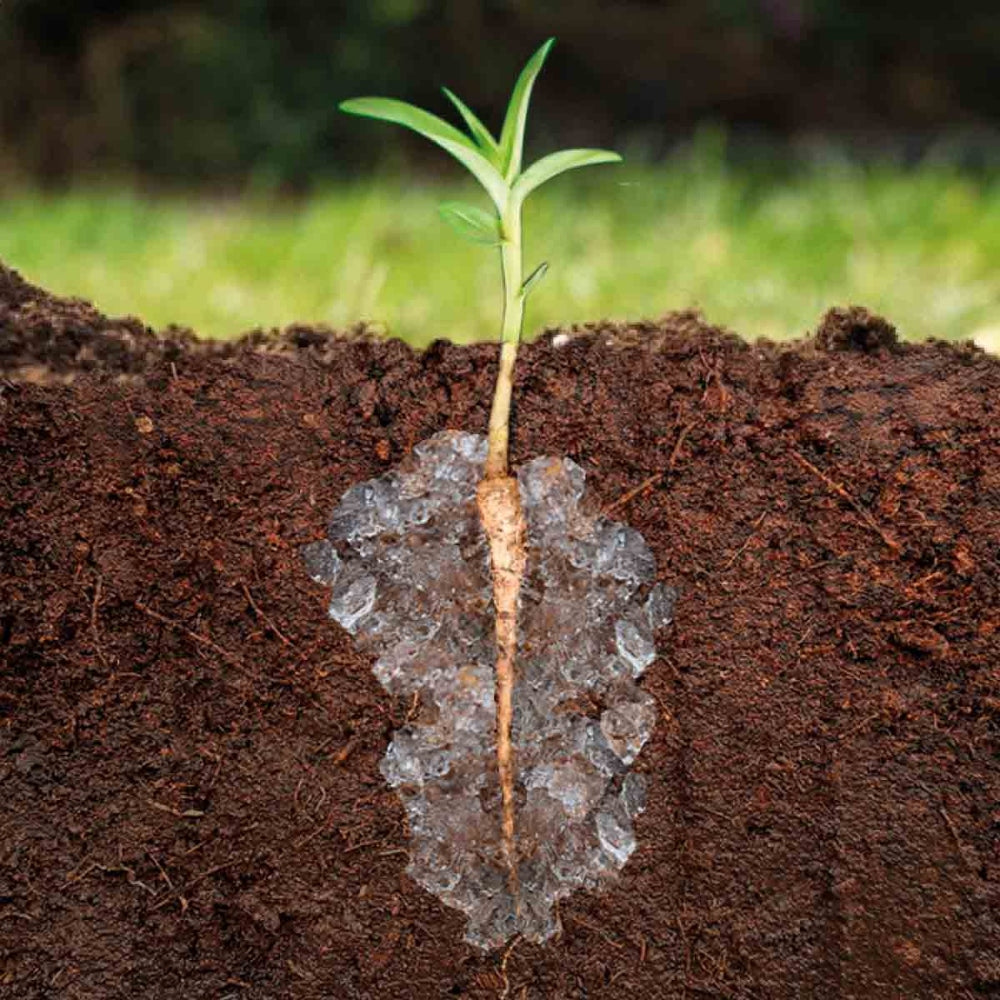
(409, 568)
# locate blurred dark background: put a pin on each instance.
(227, 91)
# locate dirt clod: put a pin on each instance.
(855, 329)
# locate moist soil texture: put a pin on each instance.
(189, 746)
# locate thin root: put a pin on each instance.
(839, 490)
(193, 636)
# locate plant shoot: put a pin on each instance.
(497, 165)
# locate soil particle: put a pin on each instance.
(189, 748)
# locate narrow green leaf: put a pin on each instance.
(472, 223)
(512, 136)
(558, 163)
(478, 130)
(535, 277)
(438, 131)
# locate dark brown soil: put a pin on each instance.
(189, 748)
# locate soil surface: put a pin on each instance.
(189, 747)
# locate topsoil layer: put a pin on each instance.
(189, 747)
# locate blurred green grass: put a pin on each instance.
(762, 253)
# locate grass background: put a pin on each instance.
(761, 251)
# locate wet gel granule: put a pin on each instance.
(408, 566)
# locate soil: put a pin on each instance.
(189, 747)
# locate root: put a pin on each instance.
(500, 513)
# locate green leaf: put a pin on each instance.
(438, 131)
(558, 163)
(472, 223)
(512, 136)
(479, 131)
(535, 277)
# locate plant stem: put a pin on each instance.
(510, 335)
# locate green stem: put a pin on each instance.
(510, 335)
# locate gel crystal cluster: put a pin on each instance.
(409, 567)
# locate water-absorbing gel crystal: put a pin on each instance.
(409, 569)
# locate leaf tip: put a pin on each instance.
(534, 278)
(543, 52)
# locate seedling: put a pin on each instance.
(497, 165)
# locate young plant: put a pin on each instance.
(497, 165)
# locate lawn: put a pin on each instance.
(761, 253)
